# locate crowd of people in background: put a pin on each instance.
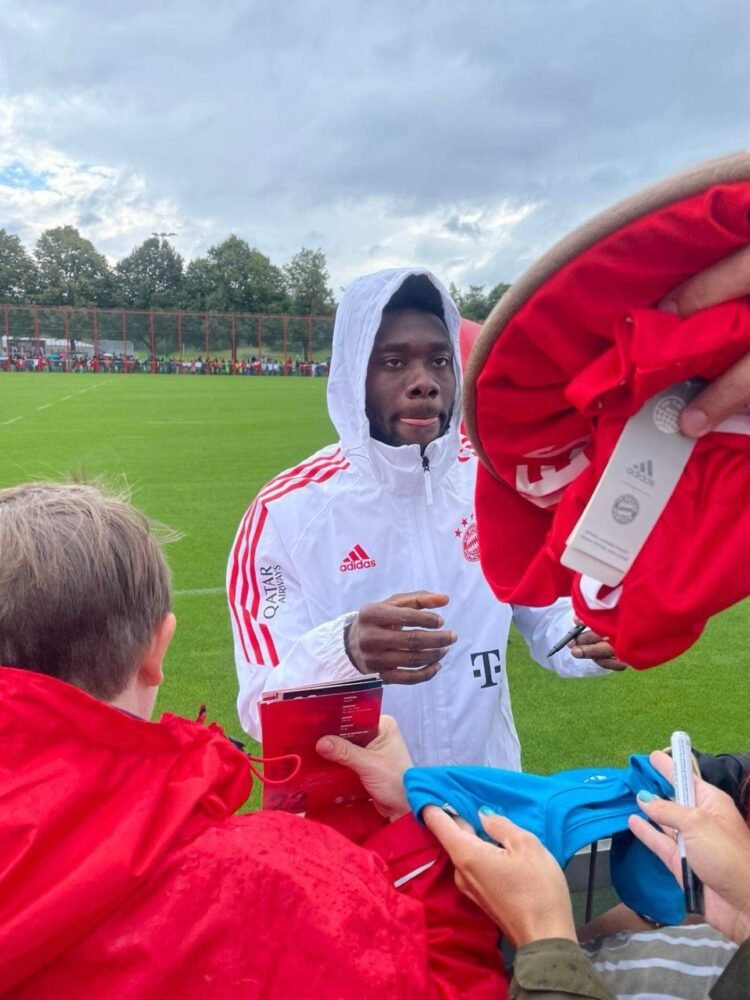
(161, 365)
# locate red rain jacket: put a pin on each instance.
(124, 873)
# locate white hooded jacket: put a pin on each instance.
(359, 521)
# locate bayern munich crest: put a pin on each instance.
(467, 532)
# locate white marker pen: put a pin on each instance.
(684, 793)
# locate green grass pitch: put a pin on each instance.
(195, 450)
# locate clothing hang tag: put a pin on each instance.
(634, 489)
(738, 423)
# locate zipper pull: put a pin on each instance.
(427, 482)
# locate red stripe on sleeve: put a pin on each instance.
(243, 573)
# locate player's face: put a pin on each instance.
(410, 384)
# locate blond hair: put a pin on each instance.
(83, 585)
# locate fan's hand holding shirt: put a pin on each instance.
(566, 359)
(359, 521)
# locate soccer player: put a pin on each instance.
(389, 511)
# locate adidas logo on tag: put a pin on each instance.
(356, 559)
(643, 471)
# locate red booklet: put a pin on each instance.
(292, 722)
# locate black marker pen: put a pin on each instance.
(573, 634)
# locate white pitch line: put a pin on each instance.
(12, 420)
(81, 392)
(64, 398)
(45, 407)
(200, 592)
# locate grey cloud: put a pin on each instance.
(462, 227)
(89, 218)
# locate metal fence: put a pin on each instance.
(150, 339)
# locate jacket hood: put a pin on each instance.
(357, 321)
(93, 800)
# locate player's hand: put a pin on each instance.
(400, 638)
(516, 881)
(730, 392)
(717, 844)
(590, 646)
(380, 765)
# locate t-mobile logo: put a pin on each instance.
(488, 668)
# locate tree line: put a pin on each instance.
(475, 303)
(65, 269)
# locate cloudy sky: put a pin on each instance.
(466, 135)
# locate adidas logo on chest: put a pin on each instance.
(357, 558)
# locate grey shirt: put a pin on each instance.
(557, 969)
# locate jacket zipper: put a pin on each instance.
(427, 480)
(432, 731)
